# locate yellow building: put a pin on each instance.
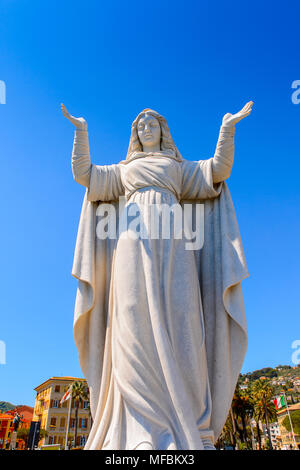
(53, 416)
(6, 428)
(286, 436)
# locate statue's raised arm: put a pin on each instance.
(230, 120)
(224, 154)
(81, 160)
(80, 123)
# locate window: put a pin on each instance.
(85, 405)
(57, 388)
(82, 440)
(51, 440)
(53, 422)
(72, 422)
(55, 404)
(84, 423)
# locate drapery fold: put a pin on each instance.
(221, 268)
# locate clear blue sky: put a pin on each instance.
(193, 61)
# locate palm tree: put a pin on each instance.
(256, 417)
(264, 409)
(90, 413)
(79, 394)
(242, 409)
(229, 430)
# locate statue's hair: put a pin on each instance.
(166, 141)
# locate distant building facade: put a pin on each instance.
(6, 429)
(53, 416)
(274, 433)
(7, 426)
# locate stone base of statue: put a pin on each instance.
(13, 440)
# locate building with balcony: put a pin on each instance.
(53, 416)
(274, 433)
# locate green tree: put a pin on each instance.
(264, 409)
(242, 409)
(79, 394)
(43, 433)
(23, 433)
(227, 435)
(295, 417)
(257, 417)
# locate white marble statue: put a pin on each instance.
(160, 329)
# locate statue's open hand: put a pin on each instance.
(230, 120)
(79, 123)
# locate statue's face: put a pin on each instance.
(149, 131)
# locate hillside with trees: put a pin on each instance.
(6, 406)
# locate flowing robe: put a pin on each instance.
(160, 330)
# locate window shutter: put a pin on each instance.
(51, 403)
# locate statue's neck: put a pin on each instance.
(152, 148)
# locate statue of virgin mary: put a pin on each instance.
(160, 329)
